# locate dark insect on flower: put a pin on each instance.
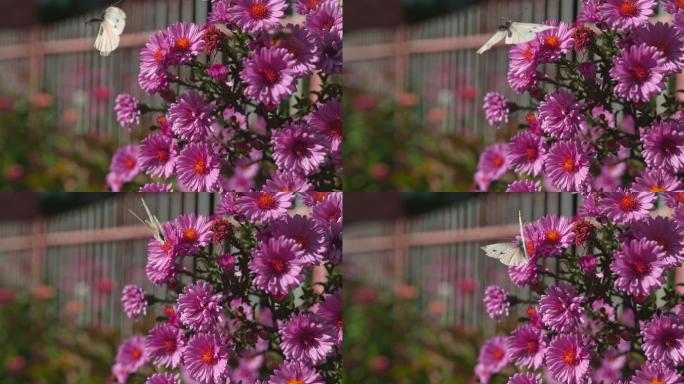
(583, 231)
(221, 230)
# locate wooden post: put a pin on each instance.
(37, 244)
(36, 58)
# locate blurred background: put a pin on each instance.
(415, 277)
(65, 259)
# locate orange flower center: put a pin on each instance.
(169, 346)
(498, 354)
(657, 188)
(553, 237)
(136, 354)
(569, 164)
(532, 312)
(628, 203)
(320, 196)
(532, 154)
(552, 42)
(159, 56)
(208, 357)
(258, 11)
(201, 167)
(531, 118)
(628, 9)
(183, 44)
(278, 265)
(161, 120)
(270, 76)
(680, 4)
(163, 155)
(528, 55)
(640, 268)
(532, 346)
(295, 381)
(498, 161)
(640, 73)
(168, 311)
(266, 201)
(166, 247)
(656, 381)
(570, 358)
(311, 5)
(679, 196)
(190, 235)
(130, 163)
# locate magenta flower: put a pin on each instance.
(306, 232)
(555, 43)
(153, 82)
(329, 211)
(278, 266)
(198, 170)
(200, 309)
(524, 186)
(526, 153)
(496, 302)
(165, 345)
(206, 358)
(656, 180)
(568, 359)
(158, 154)
(567, 165)
(496, 109)
(561, 308)
(301, 43)
(525, 378)
(674, 6)
(126, 163)
(656, 372)
(258, 15)
(664, 146)
(262, 207)
(330, 49)
(191, 117)
(192, 232)
(560, 115)
(134, 302)
(666, 39)
(269, 76)
(303, 7)
(664, 339)
(305, 339)
(527, 347)
(639, 72)
(295, 372)
(163, 378)
(524, 274)
(523, 58)
(590, 12)
(156, 188)
(331, 311)
(495, 161)
(494, 355)
(132, 354)
(626, 14)
(553, 235)
(127, 110)
(667, 233)
(639, 267)
(285, 181)
(298, 150)
(325, 18)
(327, 122)
(186, 41)
(153, 58)
(624, 207)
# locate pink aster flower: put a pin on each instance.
(158, 154)
(668, 40)
(626, 14)
(567, 165)
(561, 308)
(153, 82)
(198, 170)
(206, 359)
(186, 41)
(303, 7)
(624, 207)
(262, 207)
(495, 161)
(656, 372)
(664, 339)
(156, 188)
(527, 347)
(327, 17)
(126, 163)
(526, 153)
(132, 354)
(269, 76)
(134, 302)
(555, 43)
(163, 378)
(553, 234)
(656, 180)
(297, 149)
(192, 232)
(153, 58)
(639, 267)
(664, 146)
(327, 122)
(258, 15)
(590, 12)
(639, 72)
(305, 339)
(295, 372)
(494, 355)
(191, 117)
(330, 50)
(286, 181)
(278, 266)
(199, 307)
(300, 42)
(165, 345)
(525, 273)
(331, 311)
(560, 115)
(496, 302)
(525, 378)
(496, 109)
(329, 211)
(568, 359)
(667, 233)
(524, 186)
(523, 57)
(305, 231)
(127, 110)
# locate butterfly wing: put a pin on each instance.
(507, 253)
(107, 39)
(117, 18)
(522, 235)
(491, 42)
(524, 32)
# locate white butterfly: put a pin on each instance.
(514, 33)
(509, 253)
(152, 223)
(112, 25)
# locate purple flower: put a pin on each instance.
(525, 378)
(525, 273)
(527, 347)
(191, 117)
(301, 44)
(192, 232)
(295, 372)
(153, 82)
(298, 150)
(560, 115)
(495, 161)
(331, 311)
(306, 232)
(666, 39)
(664, 339)
(165, 345)
(132, 354)
(327, 17)
(127, 110)
(206, 358)
(258, 15)
(555, 43)
(285, 181)
(278, 266)
(163, 378)
(656, 180)
(329, 211)
(639, 267)
(624, 207)
(524, 186)
(656, 372)
(198, 170)
(262, 207)
(674, 6)
(664, 146)
(523, 58)
(590, 12)
(496, 302)
(567, 165)
(494, 355)
(553, 235)
(496, 108)
(526, 153)
(269, 76)
(327, 122)
(626, 14)
(153, 58)
(134, 302)
(561, 308)
(303, 7)
(200, 309)
(639, 72)
(667, 233)
(186, 41)
(156, 188)
(330, 50)
(126, 163)
(568, 359)
(305, 339)
(218, 72)
(158, 154)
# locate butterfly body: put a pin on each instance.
(112, 25)
(510, 254)
(514, 33)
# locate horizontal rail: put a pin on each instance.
(447, 237)
(434, 45)
(81, 237)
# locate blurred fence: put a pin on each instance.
(89, 254)
(439, 253)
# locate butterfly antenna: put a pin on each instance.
(95, 20)
(116, 4)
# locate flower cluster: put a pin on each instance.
(610, 312)
(606, 119)
(243, 304)
(246, 100)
